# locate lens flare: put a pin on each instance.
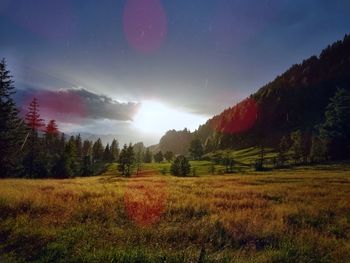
(238, 119)
(145, 24)
(145, 200)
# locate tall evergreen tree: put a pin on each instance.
(158, 157)
(196, 149)
(10, 124)
(148, 156)
(336, 128)
(97, 150)
(115, 150)
(35, 123)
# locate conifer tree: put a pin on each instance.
(10, 124)
(34, 123)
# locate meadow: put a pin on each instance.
(291, 215)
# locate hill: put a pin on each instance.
(295, 100)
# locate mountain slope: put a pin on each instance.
(294, 100)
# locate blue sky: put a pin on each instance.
(197, 56)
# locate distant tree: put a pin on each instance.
(114, 150)
(87, 148)
(282, 151)
(297, 146)
(72, 157)
(87, 168)
(52, 144)
(196, 149)
(138, 159)
(33, 164)
(318, 152)
(148, 156)
(209, 145)
(62, 168)
(10, 124)
(229, 164)
(212, 168)
(335, 129)
(107, 155)
(169, 156)
(97, 150)
(79, 146)
(158, 157)
(180, 166)
(126, 160)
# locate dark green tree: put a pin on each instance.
(158, 157)
(147, 158)
(336, 128)
(180, 166)
(97, 150)
(283, 148)
(318, 152)
(114, 150)
(126, 160)
(196, 149)
(169, 156)
(33, 164)
(297, 147)
(10, 125)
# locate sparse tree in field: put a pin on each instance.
(126, 160)
(212, 168)
(229, 164)
(180, 166)
(158, 157)
(169, 156)
(335, 129)
(34, 164)
(10, 124)
(282, 151)
(148, 156)
(138, 160)
(196, 149)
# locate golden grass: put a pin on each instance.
(300, 215)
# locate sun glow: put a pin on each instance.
(156, 118)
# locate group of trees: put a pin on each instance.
(31, 148)
(328, 141)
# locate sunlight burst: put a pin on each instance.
(157, 118)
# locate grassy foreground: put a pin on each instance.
(300, 215)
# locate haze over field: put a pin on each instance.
(114, 65)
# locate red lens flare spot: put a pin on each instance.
(62, 106)
(145, 24)
(238, 119)
(145, 201)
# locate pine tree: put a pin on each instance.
(296, 147)
(335, 130)
(126, 160)
(282, 151)
(318, 149)
(196, 149)
(115, 150)
(180, 166)
(34, 123)
(158, 157)
(107, 156)
(10, 124)
(169, 156)
(97, 150)
(148, 156)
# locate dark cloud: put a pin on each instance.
(73, 105)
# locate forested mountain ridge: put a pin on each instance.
(294, 100)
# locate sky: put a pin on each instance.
(136, 68)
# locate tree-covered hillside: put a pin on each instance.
(295, 100)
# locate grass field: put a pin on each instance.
(295, 215)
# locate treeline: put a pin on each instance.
(298, 100)
(30, 148)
